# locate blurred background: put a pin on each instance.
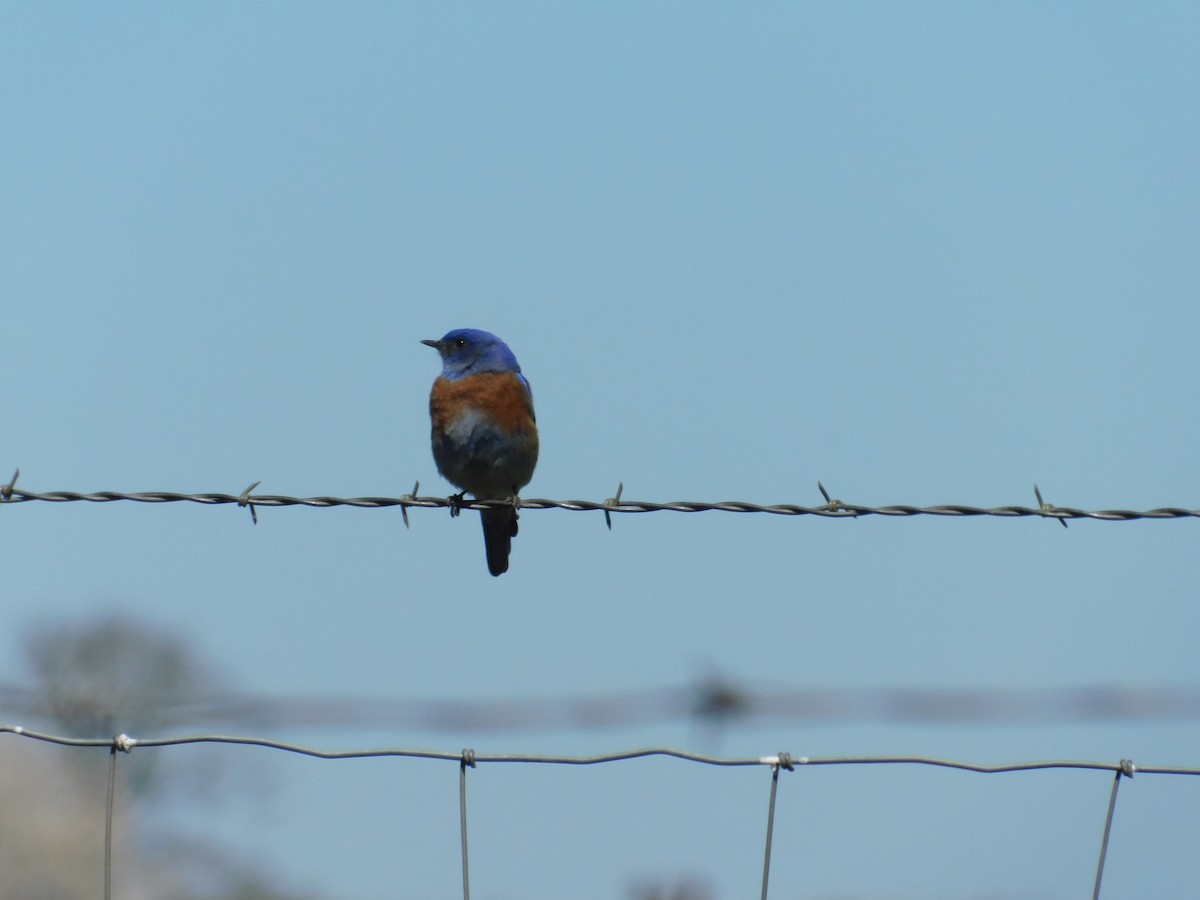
(925, 253)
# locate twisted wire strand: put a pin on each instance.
(715, 702)
(834, 509)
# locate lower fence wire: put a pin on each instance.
(108, 821)
(469, 758)
(771, 821)
(1126, 768)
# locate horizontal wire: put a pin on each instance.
(713, 701)
(127, 744)
(835, 509)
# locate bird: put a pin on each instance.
(484, 437)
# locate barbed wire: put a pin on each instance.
(714, 701)
(832, 508)
(471, 759)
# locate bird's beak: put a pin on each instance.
(436, 345)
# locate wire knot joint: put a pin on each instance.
(124, 743)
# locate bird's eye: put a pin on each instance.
(459, 343)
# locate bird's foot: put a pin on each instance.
(456, 502)
(516, 505)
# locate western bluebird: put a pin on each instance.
(485, 437)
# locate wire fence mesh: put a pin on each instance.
(714, 700)
(471, 759)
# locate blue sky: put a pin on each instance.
(925, 253)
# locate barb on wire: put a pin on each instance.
(407, 499)
(833, 506)
(831, 509)
(612, 503)
(244, 500)
(1046, 508)
(6, 490)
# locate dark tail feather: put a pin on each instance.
(499, 528)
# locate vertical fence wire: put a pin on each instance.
(108, 821)
(468, 759)
(770, 830)
(1125, 769)
(783, 761)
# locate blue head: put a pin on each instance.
(469, 351)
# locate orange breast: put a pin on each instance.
(500, 395)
